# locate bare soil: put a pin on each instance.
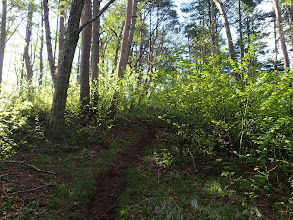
(104, 203)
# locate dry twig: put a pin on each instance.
(29, 165)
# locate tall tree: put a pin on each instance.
(2, 38)
(227, 29)
(281, 34)
(26, 55)
(49, 41)
(85, 55)
(56, 121)
(61, 27)
(96, 42)
(125, 42)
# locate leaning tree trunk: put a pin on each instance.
(132, 27)
(281, 33)
(125, 42)
(85, 56)
(96, 42)
(2, 38)
(228, 33)
(56, 121)
(55, 126)
(48, 41)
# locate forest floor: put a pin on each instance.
(127, 170)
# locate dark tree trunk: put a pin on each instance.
(56, 123)
(2, 38)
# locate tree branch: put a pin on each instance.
(97, 16)
(29, 165)
(33, 189)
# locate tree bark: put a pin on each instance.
(2, 38)
(213, 32)
(27, 59)
(240, 30)
(125, 42)
(56, 123)
(290, 10)
(41, 52)
(48, 41)
(228, 33)
(281, 33)
(85, 55)
(96, 42)
(61, 28)
(132, 27)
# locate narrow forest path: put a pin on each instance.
(104, 203)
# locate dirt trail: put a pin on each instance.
(104, 203)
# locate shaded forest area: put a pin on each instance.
(146, 109)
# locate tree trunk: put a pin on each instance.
(55, 126)
(85, 55)
(48, 41)
(276, 44)
(132, 28)
(240, 30)
(61, 28)
(2, 38)
(290, 10)
(96, 42)
(27, 59)
(56, 122)
(213, 32)
(228, 33)
(125, 42)
(41, 52)
(119, 37)
(281, 33)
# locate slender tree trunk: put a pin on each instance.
(281, 33)
(55, 126)
(85, 55)
(61, 28)
(290, 10)
(2, 38)
(41, 52)
(276, 44)
(49, 42)
(119, 38)
(27, 59)
(96, 42)
(125, 42)
(213, 32)
(228, 33)
(132, 28)
(240, 30)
